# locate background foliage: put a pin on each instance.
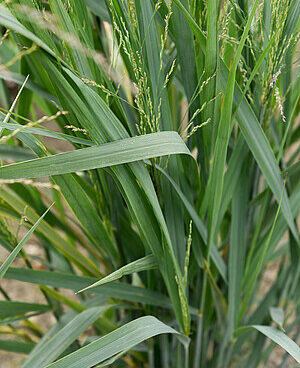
(176, 173)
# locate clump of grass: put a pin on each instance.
(179, 190)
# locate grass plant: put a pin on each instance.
(164, 188)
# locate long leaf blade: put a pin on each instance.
(59, 342)
(113, 343)
(146, 263)
(109, 154)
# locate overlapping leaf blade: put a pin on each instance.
(119, 340)
(57, 344)
(106, 155)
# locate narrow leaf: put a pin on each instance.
(8, 308)
(6, 119)
(146, 263)
(281, 339)
(57, 344)
(5, 265)
(109, 154)
(16, 346)
(113, 343)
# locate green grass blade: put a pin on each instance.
(135, 196)
(220, 264)
(64, 338)
(119, 340)
(109, 154)
(232, 175)
(126, 68)
(252, 132)
(225, 126)
(5, 265)
(278, 232)
(10, 22)
(183, 37)
(173, 210)
(4, 94)
(47, 133)
(216, 178)
(8, 308)
(260, 148)
(15, 153)
(277, 315)
(73, 282)
(93, 225)
(211, 62)
(76, 57)
(146, 263)
(8, 115)
(237, 250)
(19, 79)
(98, 8)
(258, 267)
(281, 339)
(194, 26)
(17, 346)
(81, 260)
